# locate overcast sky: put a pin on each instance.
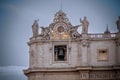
(17, 17)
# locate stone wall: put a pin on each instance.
(74, 75)
(110, 46)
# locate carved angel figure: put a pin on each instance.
(45, 33)
(74, 32)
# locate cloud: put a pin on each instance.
(12, 73)
(8, 70)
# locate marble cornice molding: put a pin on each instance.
(72, 69)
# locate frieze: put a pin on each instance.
(98, 75)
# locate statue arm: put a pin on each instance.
(41, 27)
(78, 26)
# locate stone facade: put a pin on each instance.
(61, 53)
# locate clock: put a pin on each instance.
(60, 31)
(60, 28)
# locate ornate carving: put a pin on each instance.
(74, 33)
(45, 33)
(61, 28)
(60, 16)
(85, 43)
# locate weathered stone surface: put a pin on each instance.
(81, 61)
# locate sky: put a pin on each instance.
(17, 17)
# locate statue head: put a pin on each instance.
(35, 21)
(119, 17)
(85, 17)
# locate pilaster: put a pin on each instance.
(118, 48)
(85, 46)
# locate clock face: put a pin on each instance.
(60, 31)
(60, 28)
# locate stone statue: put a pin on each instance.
(85, 25)
(45, 33)
(74, 32)
(35, 28)
(118, 24)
